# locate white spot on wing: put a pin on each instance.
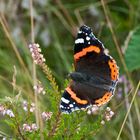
(79, 40)
(61, 106)
(65, 100)
(106, 51)
(74, 109)
(71, 105)
(87, 38)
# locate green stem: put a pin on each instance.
(128, 111)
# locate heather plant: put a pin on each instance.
(34, 75)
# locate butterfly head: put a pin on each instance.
(86, 31)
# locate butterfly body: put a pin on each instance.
(95, 76)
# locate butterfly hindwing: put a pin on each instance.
(68, 104)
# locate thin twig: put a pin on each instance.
(34, 67)
(62, 19)
(85, 7)
(122, 102)
(17, 124)
(11, 41)
(19, 131)
(129, 116)
(37, 111)
(118, 137)
(17, 87)
(66, 14)
(55, 126)
(127, 41)
(7, 32)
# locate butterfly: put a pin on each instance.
(95, 77)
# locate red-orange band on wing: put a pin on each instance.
(73, 96)
(85, 51)
(104, 99)
(114, 69)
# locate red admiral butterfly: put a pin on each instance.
(95, 76)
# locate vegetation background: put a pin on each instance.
(53, 25)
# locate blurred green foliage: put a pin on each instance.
(55, 27)
(132, 54)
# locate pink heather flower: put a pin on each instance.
(10, 113)
(122, 79)
(30, 128)
(39, 88)
(102, 122)
(124, 85)
(120, 93)
(2, 108)
(108, 114)
(27, 128)
(34, 127)
(108, 109)
(36, 54)
(32, 108)
(89, 112)
(25, 106)
(93, 110)
(107, 118)
(112, 113)
(46, 115)
(5, 111)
